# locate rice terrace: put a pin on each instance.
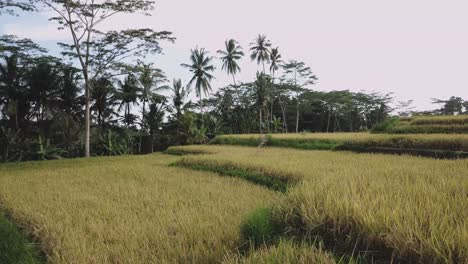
(169, 131)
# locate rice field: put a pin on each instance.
(425, 124)
(235, 204)
(133, 209)
(401, 208)
(433, 145)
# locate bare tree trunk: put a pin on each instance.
(87, 118)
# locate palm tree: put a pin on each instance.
(13, 92)
(230, 56)
(275, 61)
(128, 96)
(200, 67)
(180, 93)
(261, 97)
(149, 79)
(43, 81)
(260, 48)
(104, 99)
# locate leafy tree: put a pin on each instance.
(230, 57)
(300, 76)
(97, 51)
(11, 7)
(405, 108)
(453, 106)
(200, 66)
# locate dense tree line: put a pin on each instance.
(105, 100)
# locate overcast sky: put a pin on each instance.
(417, 49)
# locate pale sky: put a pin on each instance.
(417, 49)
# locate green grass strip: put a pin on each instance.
(14, 246)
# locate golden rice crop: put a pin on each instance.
(425, 124)
(441, 120)
(401, 206)
(452, 142)
(131, 209)
(283, 252)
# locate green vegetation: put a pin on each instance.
(433, 145)
(14, 247)
(404, 208)
(453, 124)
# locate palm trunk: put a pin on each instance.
(261, 123)
(142, 124)
(283, 111)
(297, 115)
(201, 111)
(272, 100)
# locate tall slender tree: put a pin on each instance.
(260, 49)
(104, 99)
(151, 82)
(201, 67)
(300, 76)
(96, 50)
(150, 79)
(230, 57)
(128, 96)
(179, 96)
(275, 61)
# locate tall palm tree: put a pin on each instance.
(13, 92)
(200, 65)
(43, 81)
(260, 48)
(275, 61)
(149, 80)
(128, 96)
(179, 95)
(104, 99)
(230, 58)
